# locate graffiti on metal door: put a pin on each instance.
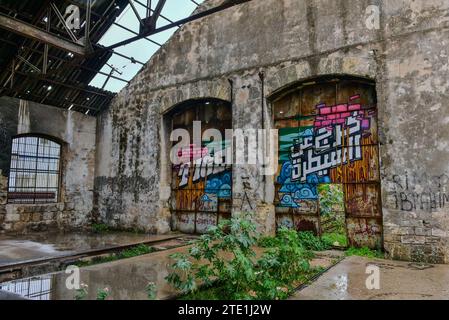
(201, 189)
(330, 138)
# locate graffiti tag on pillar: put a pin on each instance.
(419, 192)
(246, 188)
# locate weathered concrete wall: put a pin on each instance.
(77, 132)
(289, 41)
(415, 154)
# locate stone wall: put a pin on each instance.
(77, 133)
(414, 91)
(221, 56)
(3, 196)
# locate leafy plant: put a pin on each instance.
(267, 242)
(306, 238)
(331, 239)
(100, 228)
(364, 252)
(331, 202)
(151, 291)
(223, 264)
(103, 294)
(81, 293)
(282, 266)
(141, 249)
(206, 263)
(331, 198)
(312, 242)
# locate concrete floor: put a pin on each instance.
(126, 279)
(14, 249)
(398, 280)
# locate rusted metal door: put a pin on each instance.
(328, 135)
(201, 190)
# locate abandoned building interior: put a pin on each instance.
(360, 115)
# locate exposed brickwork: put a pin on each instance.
(26, 218)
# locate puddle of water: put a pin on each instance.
(33, 288)
(38, 245)
(22, 250)
(85, 241)
(126, 279)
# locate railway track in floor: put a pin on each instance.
(35, 267)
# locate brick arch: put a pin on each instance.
(362, 67)
(217, 89)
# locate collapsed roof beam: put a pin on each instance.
(225, 5)
(62, 21)
(149, 23)
(103, 18)
(63, 84)
(32, 66)
(87, 26)
(53, 102)
(149, 10)
(135, 11)
(66, 61)
(133, 32)
(30, 31)
(123, 56)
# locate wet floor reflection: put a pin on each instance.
(126, 279)
(33, 288)
(396, 280)
(41, 245)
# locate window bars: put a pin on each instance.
(35, 170)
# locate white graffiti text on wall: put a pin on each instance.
(324, 147)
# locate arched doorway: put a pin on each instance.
(201, 189)
(329, 179)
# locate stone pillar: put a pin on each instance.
(249, 179)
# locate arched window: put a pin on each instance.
(34, 171)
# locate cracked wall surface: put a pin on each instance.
(291, 41)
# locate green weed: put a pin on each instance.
(364, 252)
(222, 264)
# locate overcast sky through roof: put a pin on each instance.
(142, 49)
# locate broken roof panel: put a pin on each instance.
(52, 51)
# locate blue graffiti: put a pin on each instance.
(206, 198)
(219, 185)
(292, 193)
(307, 133)
(286, 174)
